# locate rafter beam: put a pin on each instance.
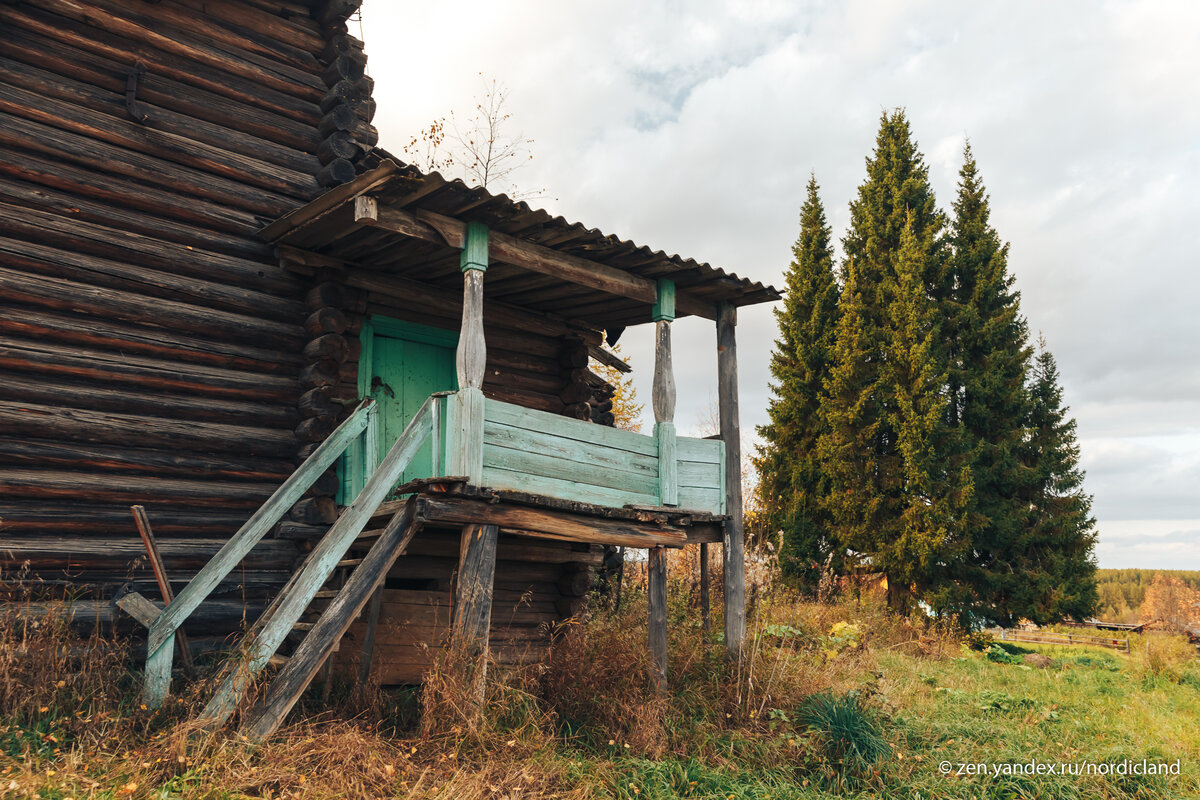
(440, 229)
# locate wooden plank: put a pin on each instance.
(567, 428)
(564, 525)
(317, 646)
(244, 540)
(656, 576)
(140, 608)
(541, 464)
(668, 464)
(705, 451)
(595, 455)
(500, 478)
(734, 550)
(705, 615)
(708, 501)
(282, 615)
(700, 475)
(164, 583)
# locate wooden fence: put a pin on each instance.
(1045, 637)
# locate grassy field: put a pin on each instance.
(833, 700)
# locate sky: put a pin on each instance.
(692, 127)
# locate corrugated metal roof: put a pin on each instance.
(399, 185)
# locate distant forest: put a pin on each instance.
(1122, 591)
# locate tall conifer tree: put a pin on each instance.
(1058, 548)
(989, 359)
(873, 447)
(791, 483)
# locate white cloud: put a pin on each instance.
(693, 127)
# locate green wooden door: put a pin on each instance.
(404, 372)
(401, 365)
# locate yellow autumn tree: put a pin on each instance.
(1172, 602)
(626, 410)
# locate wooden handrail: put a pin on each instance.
(162, 633)
(281, 617)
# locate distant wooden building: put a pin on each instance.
(222, 302)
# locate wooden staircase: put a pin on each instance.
(283, 617)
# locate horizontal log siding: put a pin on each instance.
(537, 585)
(151, 344)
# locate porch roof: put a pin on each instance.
(397, 220)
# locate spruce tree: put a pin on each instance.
(873, 448)
(1058, 548)
(988, 361)
(935, 484)
(791, 483)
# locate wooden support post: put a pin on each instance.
(664, 396)
(470, 361)
(473, 587)
(656, 572)
(368, 648)
(164, 583)
(705, 620)
(735, 558)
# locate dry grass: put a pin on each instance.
(71, 726)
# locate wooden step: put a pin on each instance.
(349, 562)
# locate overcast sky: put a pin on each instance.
(692, 127)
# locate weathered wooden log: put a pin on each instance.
(338, 144)
(347, 66)
(656, 578)
(340, 93)
(336, 12)
(165, 92)
(326, 293)
(76, 28)
(331, 346)
(527, 399)
(319, 402)
(578, 411)
(46, 454)
(575, 582)
(604, 418)
(319, 373)
(325, 320)
(574, 355)
(77, 362)
(280, 22)
(326, 485)
(340, 44)
(48, 229)
(166, 145)
(76, 207)
(298, 531)
(112, 191)
(43, 551)
(314, 511)
(76, 93)
(315, 429)
(60, 144)
(109, 488)
(734, 550)
(64, 295)
(94, 333)
(100, 396)
(576, 393)
(97, 427)
(346, 118)
(143, 27)
(520, 380)
(336, 172)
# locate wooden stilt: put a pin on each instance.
(473, 587)
(368, 649)
(656, 572)
(734, 557)
(705, 616)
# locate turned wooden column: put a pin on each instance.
(663, 397)
(466, 434)
(735, 558)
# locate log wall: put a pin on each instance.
(152, 348)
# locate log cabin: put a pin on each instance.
(353, 399)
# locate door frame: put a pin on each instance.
(378, 325)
